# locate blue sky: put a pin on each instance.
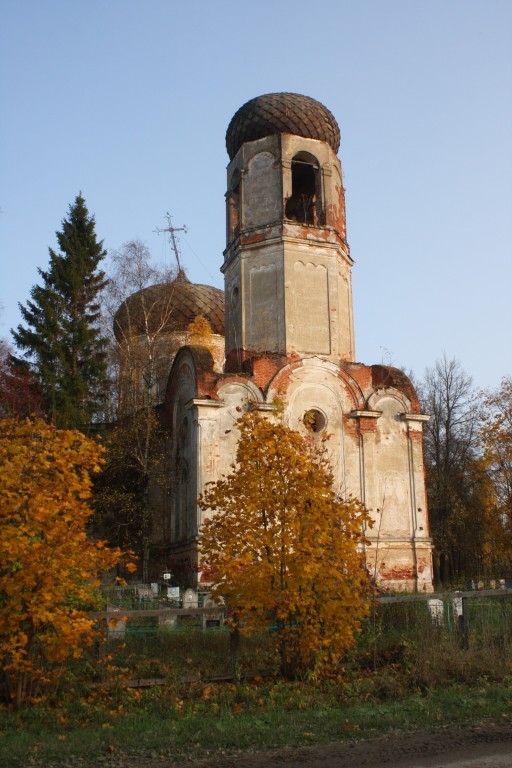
(128, 101)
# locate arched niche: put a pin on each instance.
(261, 190)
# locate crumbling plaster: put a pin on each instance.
(370, 438)
(289, 337)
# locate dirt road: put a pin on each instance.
(485, 747)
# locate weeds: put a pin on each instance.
(212, 718)
(413, 668)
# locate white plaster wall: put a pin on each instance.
(319, 315)
(308, 327)
(218, 431)
(262, 190)
(316, 385)
(263, 303)
(387, 476)
(379, 464)
(234, 301)
(342, 314)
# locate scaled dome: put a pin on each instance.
(177, 303)
(282, 113)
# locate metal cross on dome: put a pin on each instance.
(174, 243)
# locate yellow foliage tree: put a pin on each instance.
(49, 568)
(200, 332)
(496, 443)
(284, 550)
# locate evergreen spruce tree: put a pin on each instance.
(61, 335)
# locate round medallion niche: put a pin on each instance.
(314, 420)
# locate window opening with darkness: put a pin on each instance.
(234, 206)
(304, 204)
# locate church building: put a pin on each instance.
(289, 335)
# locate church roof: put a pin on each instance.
(172, 305)
(282, 113)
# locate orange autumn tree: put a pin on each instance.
(283, 549)
(49, 568)
(495, 440)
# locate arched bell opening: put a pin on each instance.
(234, 199)
(305, 204)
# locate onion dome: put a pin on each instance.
(282, 113)
(168, 308)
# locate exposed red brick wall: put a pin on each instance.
(368, 424)
(386, 376)
(362, 375)
(202, 369)
(249, 238)
(350, 426)
(265, 368)
(261, 368)
(204, 364)
(313, 232)
(335, 214)
(397, 573)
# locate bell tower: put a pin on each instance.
(287, 265)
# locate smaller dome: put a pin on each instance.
(282, 113)
(170, 307)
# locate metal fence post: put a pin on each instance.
(464, 624)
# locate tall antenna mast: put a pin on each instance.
(172, 238)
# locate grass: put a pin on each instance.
(230, 718)
(406, 673)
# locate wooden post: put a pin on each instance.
(102, 644)
(234, 647)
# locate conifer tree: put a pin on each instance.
(61, 335)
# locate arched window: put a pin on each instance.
(305, 203)
(234, 202)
